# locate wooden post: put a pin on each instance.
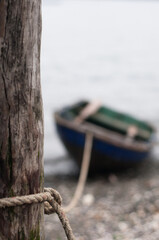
(21, 117)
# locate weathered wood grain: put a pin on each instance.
(21, 117)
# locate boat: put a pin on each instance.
(119, 140)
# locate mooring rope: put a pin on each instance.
(83, 173)
(52, 204)
(52, 199)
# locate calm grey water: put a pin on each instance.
(106, 50)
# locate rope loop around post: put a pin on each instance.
(52, 204)
(52, 199)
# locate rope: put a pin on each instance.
(52, 204)
(52, 199)
(83, 173)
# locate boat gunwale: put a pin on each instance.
(105, 135)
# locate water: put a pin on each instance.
(105, 50)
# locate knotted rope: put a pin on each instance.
(52, 199)
(52, 204)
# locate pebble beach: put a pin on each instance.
(117, 206)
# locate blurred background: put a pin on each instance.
(105, 50)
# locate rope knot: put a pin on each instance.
(52, 204)
(53, 200)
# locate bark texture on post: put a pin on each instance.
(21, 118)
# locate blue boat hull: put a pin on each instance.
(104, 155)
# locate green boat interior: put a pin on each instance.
(111, 120)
